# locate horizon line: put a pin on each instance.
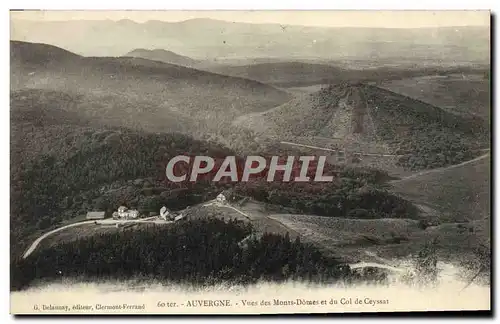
(14, 13)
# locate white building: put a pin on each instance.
(132, 214)
(124, 213)
(221, 199)
(164, 213)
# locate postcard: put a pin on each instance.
(249, 162)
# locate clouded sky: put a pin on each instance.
(388, 19)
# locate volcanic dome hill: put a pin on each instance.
(424, 135)
(36, 53)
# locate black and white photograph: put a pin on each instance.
(250, 162)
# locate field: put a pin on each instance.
(305, 89)
(461, 193)
(454, 242)
(252, 212)
(385, 240)
(462, 93)
(349, 238)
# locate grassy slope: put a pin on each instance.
(139, 93)
(354, 239)
(162, 56)
(282, 73)
(462, 93)
(252, 211)
(461, 193)
(295, 73)
(307, 114)
(349, 237)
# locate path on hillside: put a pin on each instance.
(253, 218)
(392, 155)
(441, 169)
(335, 151)
(374, 265)
(215, 203)
(37, 242)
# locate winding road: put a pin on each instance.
(441, 169)
(153, 219)
(215, 203)
(375, 265)
(335, 151)
(37, 242)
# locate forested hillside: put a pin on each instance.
(59, 172)
(194, 252)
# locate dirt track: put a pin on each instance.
(37, 242)
(441, 169)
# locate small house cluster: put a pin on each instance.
(125, 213)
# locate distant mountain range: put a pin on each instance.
(163, 56)
(133, 92)
(218, 40)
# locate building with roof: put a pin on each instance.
(221, 199)
(132, 214)
(96, 215)
(165, 214)
(124, 213)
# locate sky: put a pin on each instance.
(354, 18)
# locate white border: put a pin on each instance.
(259, 5)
